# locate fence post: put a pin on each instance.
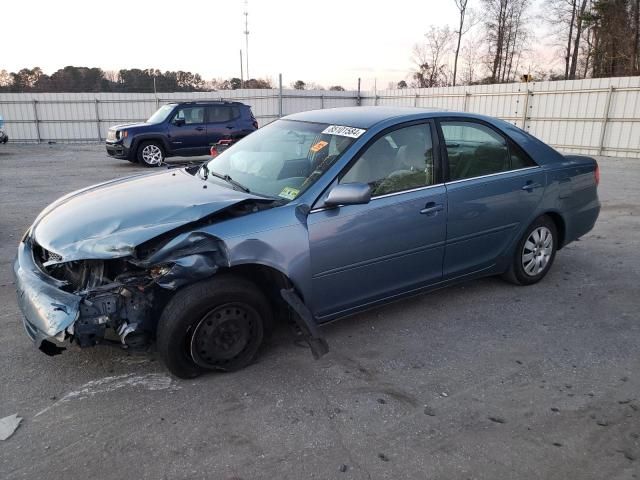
(280, 95)
(525, 109)
(415, 100)
(321, 101)
(605, 119)
(98, 121)
(35, 115)
(466, 101)
(358, 98)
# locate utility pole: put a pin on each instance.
(241, 74)
(246, 35)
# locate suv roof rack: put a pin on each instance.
(194, 102)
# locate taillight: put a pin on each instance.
(255, 124)
(596, 174)
(214, 151)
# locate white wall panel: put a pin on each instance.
(567, 114)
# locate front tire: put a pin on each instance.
(534, 253)
(216, 324)
(150, 154)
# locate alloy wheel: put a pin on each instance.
(537, 251)
(152, 155)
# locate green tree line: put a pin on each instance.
(85, 79)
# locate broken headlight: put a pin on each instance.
(159, 271)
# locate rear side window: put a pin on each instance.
(519, 159)
(220, 113)
(474, 150)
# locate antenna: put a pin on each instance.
(246, 35)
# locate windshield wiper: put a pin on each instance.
(226, 178)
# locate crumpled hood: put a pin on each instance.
(109, 220)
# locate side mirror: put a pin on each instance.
(178, 122)
(349, 194)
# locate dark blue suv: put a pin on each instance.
(184, 129)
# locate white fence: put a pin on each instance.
(594, 116)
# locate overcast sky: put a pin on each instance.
(328, 42)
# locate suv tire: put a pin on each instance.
(150, 154)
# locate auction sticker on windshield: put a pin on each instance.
(289, 193)
(344, 131)
(319, 146)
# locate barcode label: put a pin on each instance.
(344, 131)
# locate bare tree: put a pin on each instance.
(471, 59)
(430, 58)
(566, 18)
(636, 38)
(467, 20)
(5, 78)
(505, 34)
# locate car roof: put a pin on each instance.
(368, 117)
(207, 102)
(361, 117)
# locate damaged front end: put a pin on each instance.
(114, 301)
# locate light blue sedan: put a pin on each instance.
(316, 216)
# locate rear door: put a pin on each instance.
(188, 138)
(222, 123)
(361, 254)
(493, 187)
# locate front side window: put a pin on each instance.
(190, 115)
(474, 150)
(282, 159)
(400, 160)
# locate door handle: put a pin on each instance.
(199, 129)
(230, 127)
(431, 208)
(530, 186)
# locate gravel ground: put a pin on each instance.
(481, 381)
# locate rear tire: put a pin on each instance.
(150, 154)
(216, 324)
(534, 253)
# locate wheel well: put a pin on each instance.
(560, 226)
(270, 281)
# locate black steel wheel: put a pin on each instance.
(225, 335)
(217, 324)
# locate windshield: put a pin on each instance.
(284, 158)
(161, 114)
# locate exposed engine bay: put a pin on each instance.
(121, 298)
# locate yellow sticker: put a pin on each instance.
(319, 146)
(289, 193)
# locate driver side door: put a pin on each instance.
(187, 131)
(362, 254)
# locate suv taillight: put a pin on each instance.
(255, 123)
(596, 174)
